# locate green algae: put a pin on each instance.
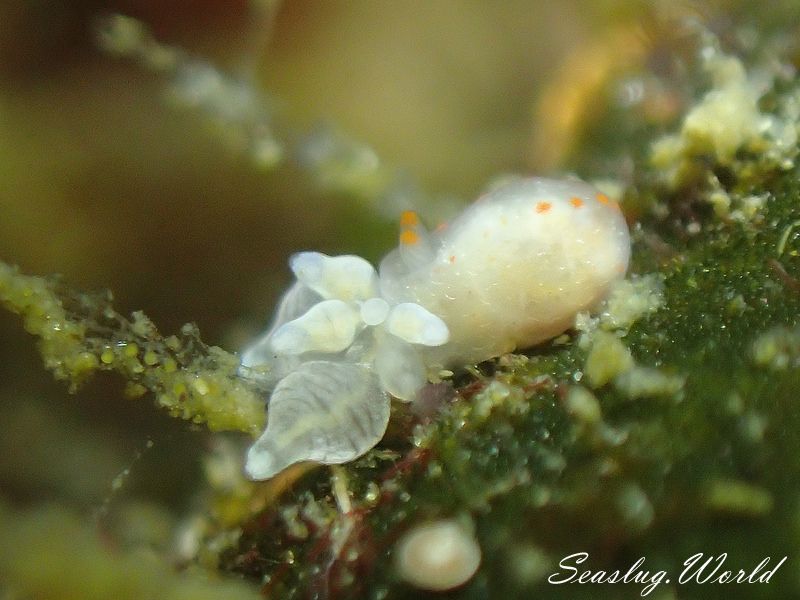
(608, 358)
(80, 334)
(778, 348)
(738, 498)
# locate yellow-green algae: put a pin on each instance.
(778, 348)
(729, 128)
(738, 497)
(608, 358)
(80, 334)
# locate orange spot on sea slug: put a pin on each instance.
(408, 218)
(543, 207)
(452, 259)
(409, 237)
(603, 199)
(576, 202)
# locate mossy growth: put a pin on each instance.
(80, 334)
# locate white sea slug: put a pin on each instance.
(511, 271)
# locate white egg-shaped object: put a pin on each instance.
(437, 556)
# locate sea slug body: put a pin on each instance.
(511, 271)
(514, 268)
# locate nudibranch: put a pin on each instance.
(511, 271)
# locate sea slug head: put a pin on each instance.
(334, 353)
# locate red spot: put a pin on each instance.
(452, 259)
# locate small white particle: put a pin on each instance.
(438, 556)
